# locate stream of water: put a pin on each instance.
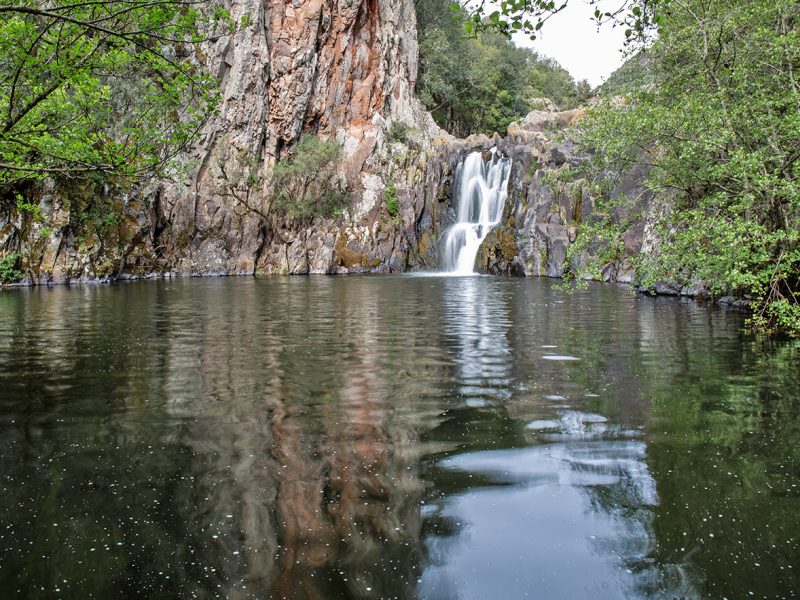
(481, 189)
(392, 437)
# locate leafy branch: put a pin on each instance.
(105, 86)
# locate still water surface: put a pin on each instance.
(392, 437)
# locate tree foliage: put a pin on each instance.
(483, 82)
(639, 17)
(635, 73)
(100, 86)
(720, 129)
(8, 271)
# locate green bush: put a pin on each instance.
(29, 207)
(8, 271)
(390, 197)
(304, 185)
(399, 132)
(533, 168)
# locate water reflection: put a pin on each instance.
(477, 323)
(573, 495)
(391, 437)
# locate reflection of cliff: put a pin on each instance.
(319, 486)
(237, 459)
(345, 494)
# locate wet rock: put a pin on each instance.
(734, 303)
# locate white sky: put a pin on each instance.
(572, 38)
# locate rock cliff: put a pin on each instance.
(337, 69)
(543, 214)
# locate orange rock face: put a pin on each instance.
(324, 68)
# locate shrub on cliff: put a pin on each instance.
(304, 184)
(8, 268)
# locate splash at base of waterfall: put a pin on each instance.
(481, 190)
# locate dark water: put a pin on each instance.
(392, 437)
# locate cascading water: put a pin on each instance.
(482, 189)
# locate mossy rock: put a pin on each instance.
(508, 243)
(499, 244)
(347, 257)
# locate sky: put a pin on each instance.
(572, 38)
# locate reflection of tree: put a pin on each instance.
(727, 462)
(721, 429)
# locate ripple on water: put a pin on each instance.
(324, 418)
(546, 506)
(578, 425)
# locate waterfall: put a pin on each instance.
(481, 190)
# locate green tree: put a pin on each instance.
(719, 127)
(639, 17)
(101, 86)
(481, 83)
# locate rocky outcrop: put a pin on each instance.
(543, 213)
(337, 69)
